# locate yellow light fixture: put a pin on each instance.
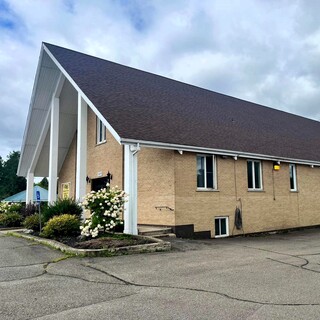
(276, 166)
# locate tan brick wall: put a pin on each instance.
(166, 178)
(273, 208)
(100, 158)
(156, 186)
(103, 157)
(68, 170)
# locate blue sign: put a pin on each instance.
(38, 195)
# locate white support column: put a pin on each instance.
(131, 188)
(54, 147)
(81, 172)
(29, 191)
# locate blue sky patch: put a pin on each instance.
(138, 13)
(6, 16)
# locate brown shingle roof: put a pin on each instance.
(144, 106)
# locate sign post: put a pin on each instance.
(39, 202)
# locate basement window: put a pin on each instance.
(221, 226)
(293, 177)
(206, 172)
(101, 132)
(254, 175)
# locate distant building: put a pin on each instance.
(21, 196)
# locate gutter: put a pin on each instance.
(230, 153)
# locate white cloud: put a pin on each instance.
(264, 51)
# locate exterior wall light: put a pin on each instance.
(276, 166)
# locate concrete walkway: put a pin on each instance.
(272, 277)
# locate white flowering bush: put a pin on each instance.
(106, 206)
(5, 207)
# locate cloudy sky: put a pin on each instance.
(265, 51)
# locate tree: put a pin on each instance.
(44, 183)
(10, 183)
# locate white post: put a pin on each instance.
(29, 191)
(81, 172)
(54, 146)
(131, 188)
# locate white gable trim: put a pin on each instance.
(36, 78)
(85, 98)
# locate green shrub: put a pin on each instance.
(10, 219)
(62, 226)
(15, 207)
(32, 222)
(62, 206)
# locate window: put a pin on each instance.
(221, 226)
(254, 175)
(101, 131)
(205, 172)
(293, 177)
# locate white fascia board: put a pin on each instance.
(36, 79)
(84, 97)
(247, 155)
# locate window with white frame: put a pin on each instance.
(206, 172)
(221, 227)
(101, 131)
(293, 177)
(254, 175)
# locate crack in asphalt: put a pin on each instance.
(130, 283)
(24, 265)
(84, 306)
(203, 290)
(297, 256)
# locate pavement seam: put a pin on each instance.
(84, 306)
(203, 290)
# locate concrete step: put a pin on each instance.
(153, 230)
(164, 235)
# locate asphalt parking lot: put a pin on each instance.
(269, 277)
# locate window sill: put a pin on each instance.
(294, 191)
(256, 190)
(102, 142)
(206, 190)
(221, 236)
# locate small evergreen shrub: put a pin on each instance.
(62, 206)
(33, 223)
(10, 219)
(65, 225)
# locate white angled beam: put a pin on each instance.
(54, 147)
(46, 124)
(131, 188)
(29, 191)
(81, 172)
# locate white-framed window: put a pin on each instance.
(101, 131)
(293, 177)
(206, 177)
(254, 172)
(221, 227)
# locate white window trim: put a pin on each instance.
(227, 226)
(100, 126)
(253, 177)
(205, 175)
(291, 165)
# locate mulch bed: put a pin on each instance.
(105, 242)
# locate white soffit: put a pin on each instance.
(45, 82)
